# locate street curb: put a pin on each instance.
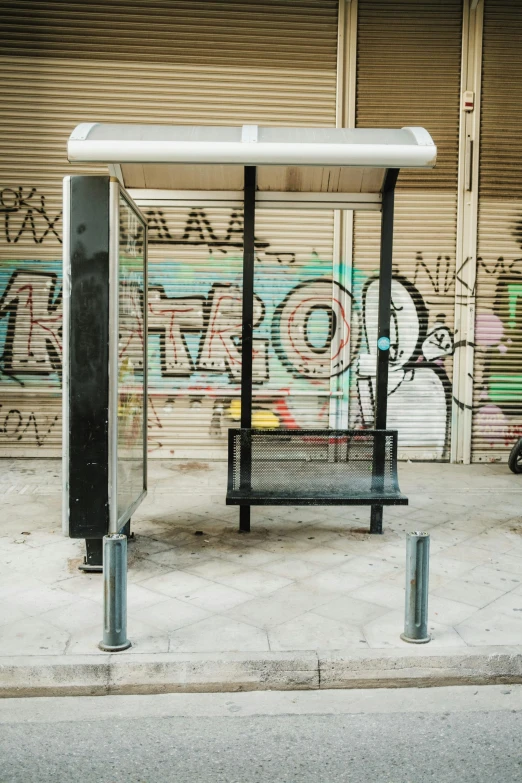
(424, 668)
(135, 673)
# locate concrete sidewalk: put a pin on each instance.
(308, 599)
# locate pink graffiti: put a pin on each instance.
(489, 329)
(492, 423)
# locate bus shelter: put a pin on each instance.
(105, 280)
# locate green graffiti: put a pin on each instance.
(505, 388)
(514, 291)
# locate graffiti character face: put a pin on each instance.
(438, 343)
(405, 325)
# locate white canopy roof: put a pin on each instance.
(330, 167)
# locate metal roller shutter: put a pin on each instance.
(63, 63)
(497, 382)
(195, 320)
(408, 73)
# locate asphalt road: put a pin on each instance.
(402, 736)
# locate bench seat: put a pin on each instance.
(313, 467)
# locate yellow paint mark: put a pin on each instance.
(264, 420)
(235, 410)
(261, 420)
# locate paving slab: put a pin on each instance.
(308, 598)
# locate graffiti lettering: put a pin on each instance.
(27, 212)
(310, 328)
(302, 339)
(199, 231)
(33, 342)
(440, 274)
(281, 258)
(171, 319)
(221, 345)
(501, 267)
(15, 425)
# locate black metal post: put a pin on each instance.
(247, 336)
(93, 560)
(383, 342)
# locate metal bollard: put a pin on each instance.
(114, 593)
(417, 578)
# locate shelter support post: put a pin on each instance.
(247, 336)
(93, 560)
(383, 343)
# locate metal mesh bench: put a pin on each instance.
(317, 467)
(313, 467)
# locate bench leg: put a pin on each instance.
(244, 519)
(376, 519)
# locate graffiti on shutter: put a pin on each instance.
(497, 382)
(194, 321)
